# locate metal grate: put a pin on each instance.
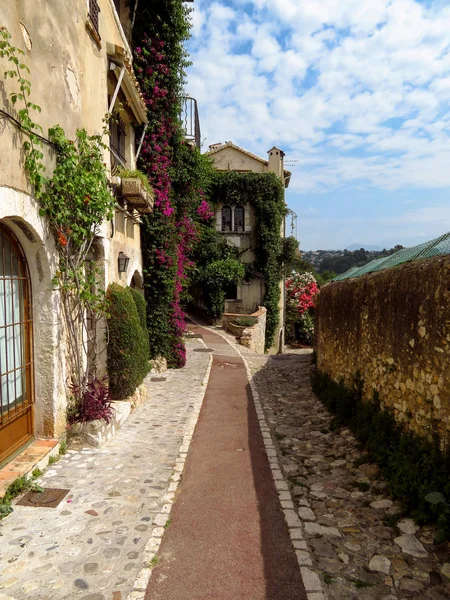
(437, 247)
(94, 10)
(48, 498)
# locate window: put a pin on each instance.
(94, 10)
(117, 143)
(226, 218)
(239, 223)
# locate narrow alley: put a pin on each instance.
(226, 537)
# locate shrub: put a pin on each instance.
(127, 345)
(141, 307)
(245, 321)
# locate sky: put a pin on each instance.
(357, 94)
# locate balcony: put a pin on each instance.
(189, 119)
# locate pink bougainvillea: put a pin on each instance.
(172, 257)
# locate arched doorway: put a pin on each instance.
(16, 327)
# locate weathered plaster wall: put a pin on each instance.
(68, 77)
(394, 328)
(230, 159)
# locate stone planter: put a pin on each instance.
(134, 192)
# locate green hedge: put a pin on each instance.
(128, 342)
(412, 466)
(141, 307)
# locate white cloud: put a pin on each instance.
(357, 92)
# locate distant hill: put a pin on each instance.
(340, 261)
(357, 246)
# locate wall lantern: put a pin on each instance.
(123, 262)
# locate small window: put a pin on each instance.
(226, 218)
(94, 10)
(239, 224)
(117, 143)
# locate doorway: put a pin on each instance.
(16, 342)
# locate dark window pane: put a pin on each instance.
(226, 218)
(239, 224)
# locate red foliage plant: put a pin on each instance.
(95, 405)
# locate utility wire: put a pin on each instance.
(22, 128)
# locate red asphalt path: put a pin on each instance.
(228, 539)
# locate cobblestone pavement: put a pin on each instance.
(92, 546)
(347, 515)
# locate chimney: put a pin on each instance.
(215, 146)
(276, 162)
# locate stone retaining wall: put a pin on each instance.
(393, 327)
(252, 337)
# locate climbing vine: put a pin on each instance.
(176, 170)
(76, 200)
(264, 192)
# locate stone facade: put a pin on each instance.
(76, 60)
(252, 337)
(229, 157)
(393, 327)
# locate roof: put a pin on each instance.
(287, 174)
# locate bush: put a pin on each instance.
(141, 307)
(245, 321)
(128, 343)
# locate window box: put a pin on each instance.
(134, 192)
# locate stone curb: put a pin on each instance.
(311, 579)
(161, 520)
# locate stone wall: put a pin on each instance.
(252, 337)
(393, 327)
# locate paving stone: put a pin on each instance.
(316, 529)
(123, 482)
(319, 464)
(380, 564)
(311, 580)
(306, 514)
(408, 526)
(380, 504)
(411, 545)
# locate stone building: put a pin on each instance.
(80, 69)
(237, 222)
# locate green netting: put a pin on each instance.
(436, 247)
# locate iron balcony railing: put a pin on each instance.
(190, 120)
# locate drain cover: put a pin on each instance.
(158, 378)
(49, 498)
(193, 336)
(203, 350)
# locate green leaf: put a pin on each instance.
(436, 498)
(42, 212)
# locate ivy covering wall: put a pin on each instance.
(265, 193)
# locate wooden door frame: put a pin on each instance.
(25, 417)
